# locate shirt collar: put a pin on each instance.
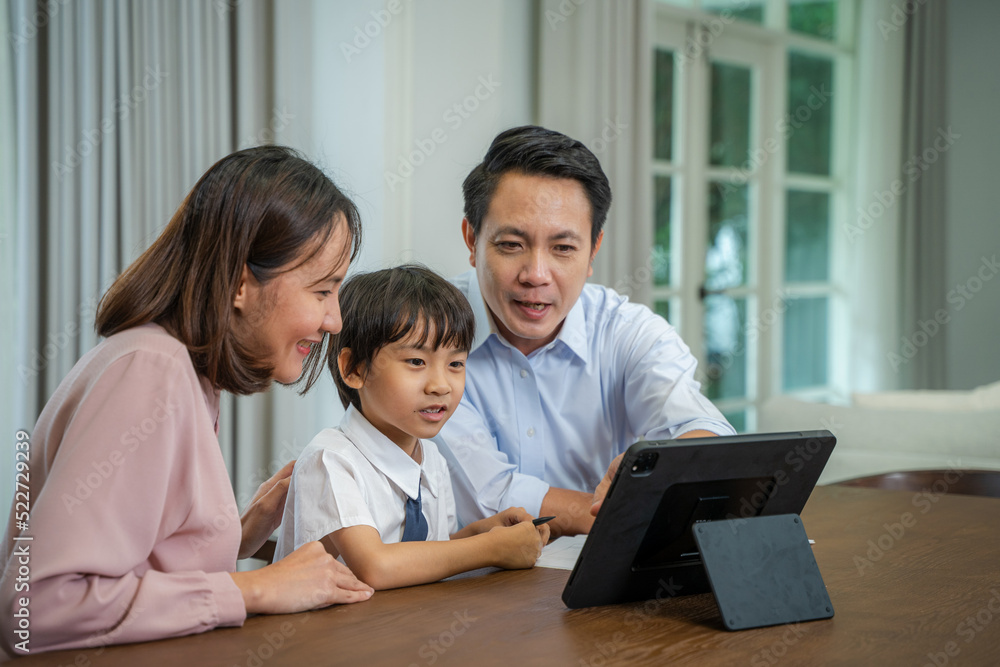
(573, 333)
(386, 456)
(484, 323)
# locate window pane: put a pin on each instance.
(661, 232)
(813, 17)
(726, 257)
(738, 419)
(663, 106)
(742, 10)
(805, 346)
(807, 236)
(730, 115)
(725, 342)
(662, 308)
(810, 114)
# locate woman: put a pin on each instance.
(134, 523)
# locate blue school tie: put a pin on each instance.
(415, 528)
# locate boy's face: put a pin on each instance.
(410, 392)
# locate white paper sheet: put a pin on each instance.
(561, 554)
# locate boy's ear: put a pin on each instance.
(353, 379)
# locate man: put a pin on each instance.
(563, 375)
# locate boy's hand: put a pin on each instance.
(520, 545)
(512, 516)
(509, 517)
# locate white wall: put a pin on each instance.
(398, 100)
(973, 220)
(464, 51)
(358, 84)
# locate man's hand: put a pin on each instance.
(602, 488)
(609, 476)
(263, 515)
(570, 511)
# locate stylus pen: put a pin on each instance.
(542, 519)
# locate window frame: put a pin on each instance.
(675, 28)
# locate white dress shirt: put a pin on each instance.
(353, 475)
(616, 373)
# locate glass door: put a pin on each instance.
(711, 169)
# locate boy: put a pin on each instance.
(376, 491)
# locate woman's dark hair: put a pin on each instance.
(383, 307)
(536, 151)
(263, 208)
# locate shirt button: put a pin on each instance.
(524, 373)
(531, 432)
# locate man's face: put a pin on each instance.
(533, 255)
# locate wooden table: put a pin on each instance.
(914, 579)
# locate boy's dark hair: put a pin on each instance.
(536, 151)
(382, 307)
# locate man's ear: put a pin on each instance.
(353, 379)
(469, 235)
(593, 253)
(241, 301)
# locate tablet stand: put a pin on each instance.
(762, 571)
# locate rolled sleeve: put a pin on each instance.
(710, 425)
(662, 396)
(525, 491)
(482, 476)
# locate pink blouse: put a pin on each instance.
(133, 521)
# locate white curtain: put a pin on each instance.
(595, 84)
(118, 107)
(872, 278)
(8, 253)
(923, 206)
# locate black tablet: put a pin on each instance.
(642, 545)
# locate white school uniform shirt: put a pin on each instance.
(353, 475)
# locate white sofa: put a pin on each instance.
(904, 430)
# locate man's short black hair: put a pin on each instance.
(536, 151)
(382, 307)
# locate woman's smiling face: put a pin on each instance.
(284, 318)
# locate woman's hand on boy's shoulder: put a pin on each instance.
(263, 514)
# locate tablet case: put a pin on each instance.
(762, 571)
(641, 545)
